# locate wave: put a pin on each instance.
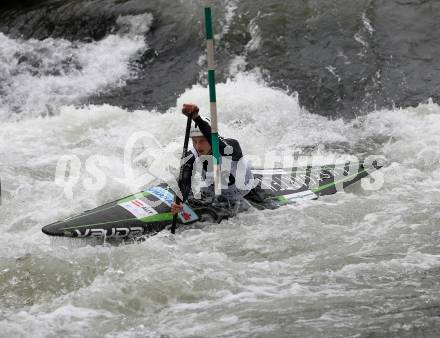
(38, 77)
(341, 61)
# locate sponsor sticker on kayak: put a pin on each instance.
(139, 208)
(187, 215)
(265, 172)
(301, 196)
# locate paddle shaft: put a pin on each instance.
(185, 150)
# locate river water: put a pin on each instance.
(360, 263)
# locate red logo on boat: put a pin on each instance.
(186, 216)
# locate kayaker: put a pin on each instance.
(231, 194)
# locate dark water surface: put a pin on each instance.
(341, 56)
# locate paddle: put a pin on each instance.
(177, 200)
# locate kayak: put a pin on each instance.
(148, 211)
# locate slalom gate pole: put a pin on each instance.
(212, 97)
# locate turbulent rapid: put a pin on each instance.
(360, 263)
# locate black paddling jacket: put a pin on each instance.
(233, 152)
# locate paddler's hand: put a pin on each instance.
(190, 110)
(176, 208)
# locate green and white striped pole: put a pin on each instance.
(212, 97)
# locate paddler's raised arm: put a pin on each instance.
(204, 127)
(192, 111)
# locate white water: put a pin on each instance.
(359, 263)
(38, 76)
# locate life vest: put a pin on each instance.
(240, 180)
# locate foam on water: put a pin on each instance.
(36, 77)
(360, 262)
